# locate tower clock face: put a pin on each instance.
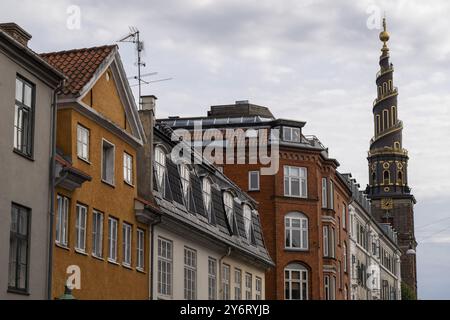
(387, 203)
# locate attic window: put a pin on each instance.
(291, 134)
(248, 222)
(229, 206)
(160, 168)
(108, 75)
(206, 189)
(108, 162)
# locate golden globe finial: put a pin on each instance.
(384, 35)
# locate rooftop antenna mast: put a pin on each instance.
(133, 37)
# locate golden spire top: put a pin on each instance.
(384, 36)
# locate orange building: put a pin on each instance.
(101, 240)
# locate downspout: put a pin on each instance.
(220, 269)
(152, 244)
(52, 188)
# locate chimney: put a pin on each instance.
(16, 32)
(145, 154)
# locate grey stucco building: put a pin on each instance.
(27, 87)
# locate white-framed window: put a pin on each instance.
(80, 228)
(253, 180)
(331, 201)
(140, 247)
(247, 222)
(225, 282)
(128, 168)
(23, 116)
(326, 242)
(108, 154)
(190, 274)
(160, 169)
(296, 231)
(291, 134)
(324, 193)
(228, 202)
(82, 142)
(295, 182)
(97, 234)
(62, 220)
(206, 190)
(332, 238)
(258, 288)
(237, 284)
(333, 288)
(344, 216)
(330, 287)
(126, 243)
(165, 263)
(296, 282)
(112, 239)
(326, 286)
(185, 176)
(212, 278)
(344, 248)
(248, 286)
(329, 242)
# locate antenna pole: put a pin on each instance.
(139, 48)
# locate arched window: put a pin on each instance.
(228, 202)
(385, 87)
(380, 93)
(378, 125)
(374, 178)
(206, 190)
(386, 177)
(390, 85)
(296, 231)
(385, 119)
(185, 182)
(160, 168)
(396, 145)
(247, 221)
(400, 178)
(345, 292)
(295, 282)
(393, 115)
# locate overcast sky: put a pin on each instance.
(307, 60)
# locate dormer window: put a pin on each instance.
(185, 182)
(248, 222)
(160, 168)
(206, 189)
(291, 134)
(228, 202)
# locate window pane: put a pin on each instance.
(19, 90)
(28, 95)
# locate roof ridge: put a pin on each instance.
(79, 49)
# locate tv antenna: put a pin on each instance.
(133, 37)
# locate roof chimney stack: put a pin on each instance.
(16, 32)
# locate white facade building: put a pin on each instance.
(374, 253)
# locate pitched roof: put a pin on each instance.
(79, 65)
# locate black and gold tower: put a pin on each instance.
(392, 201)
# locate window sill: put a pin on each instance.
(18, 291)
(97, 257)
(80, 251)
(140, 270)
(129, 184)
(24, 155)
(84, 160)
(113, 262)
(110, 184)
(295, 197)
(296, 250)
(62, 246)
(127, 266)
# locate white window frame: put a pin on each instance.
(290, 178)
(83, 137)
(226, 282)
(237, 284)
(113, 225)
(324, 192)
(288, 134)
(258, 288)
(345, 257)
(212, 278)
(80, 227)
(247, 214)
(127, 231)
(206, 193)
(108, 173)
(331, 201)
(97, 234)
(140, 247)
(344, 216)
(251, 183)
(326, 241)
(190, 274)
(62, 221)
(128, 168)
(248, 286)
(301, 281)
(160, 169)
(165, 258)
(302, 229)
(326, 284)
(185, 176)
(228, 201)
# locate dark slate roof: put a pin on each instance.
(172, 203)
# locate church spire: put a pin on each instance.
(384, 37)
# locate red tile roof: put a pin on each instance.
(79, 65)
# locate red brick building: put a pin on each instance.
(303, 206)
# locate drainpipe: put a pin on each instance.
(152, 244)
(220, 269)
(52, 188)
